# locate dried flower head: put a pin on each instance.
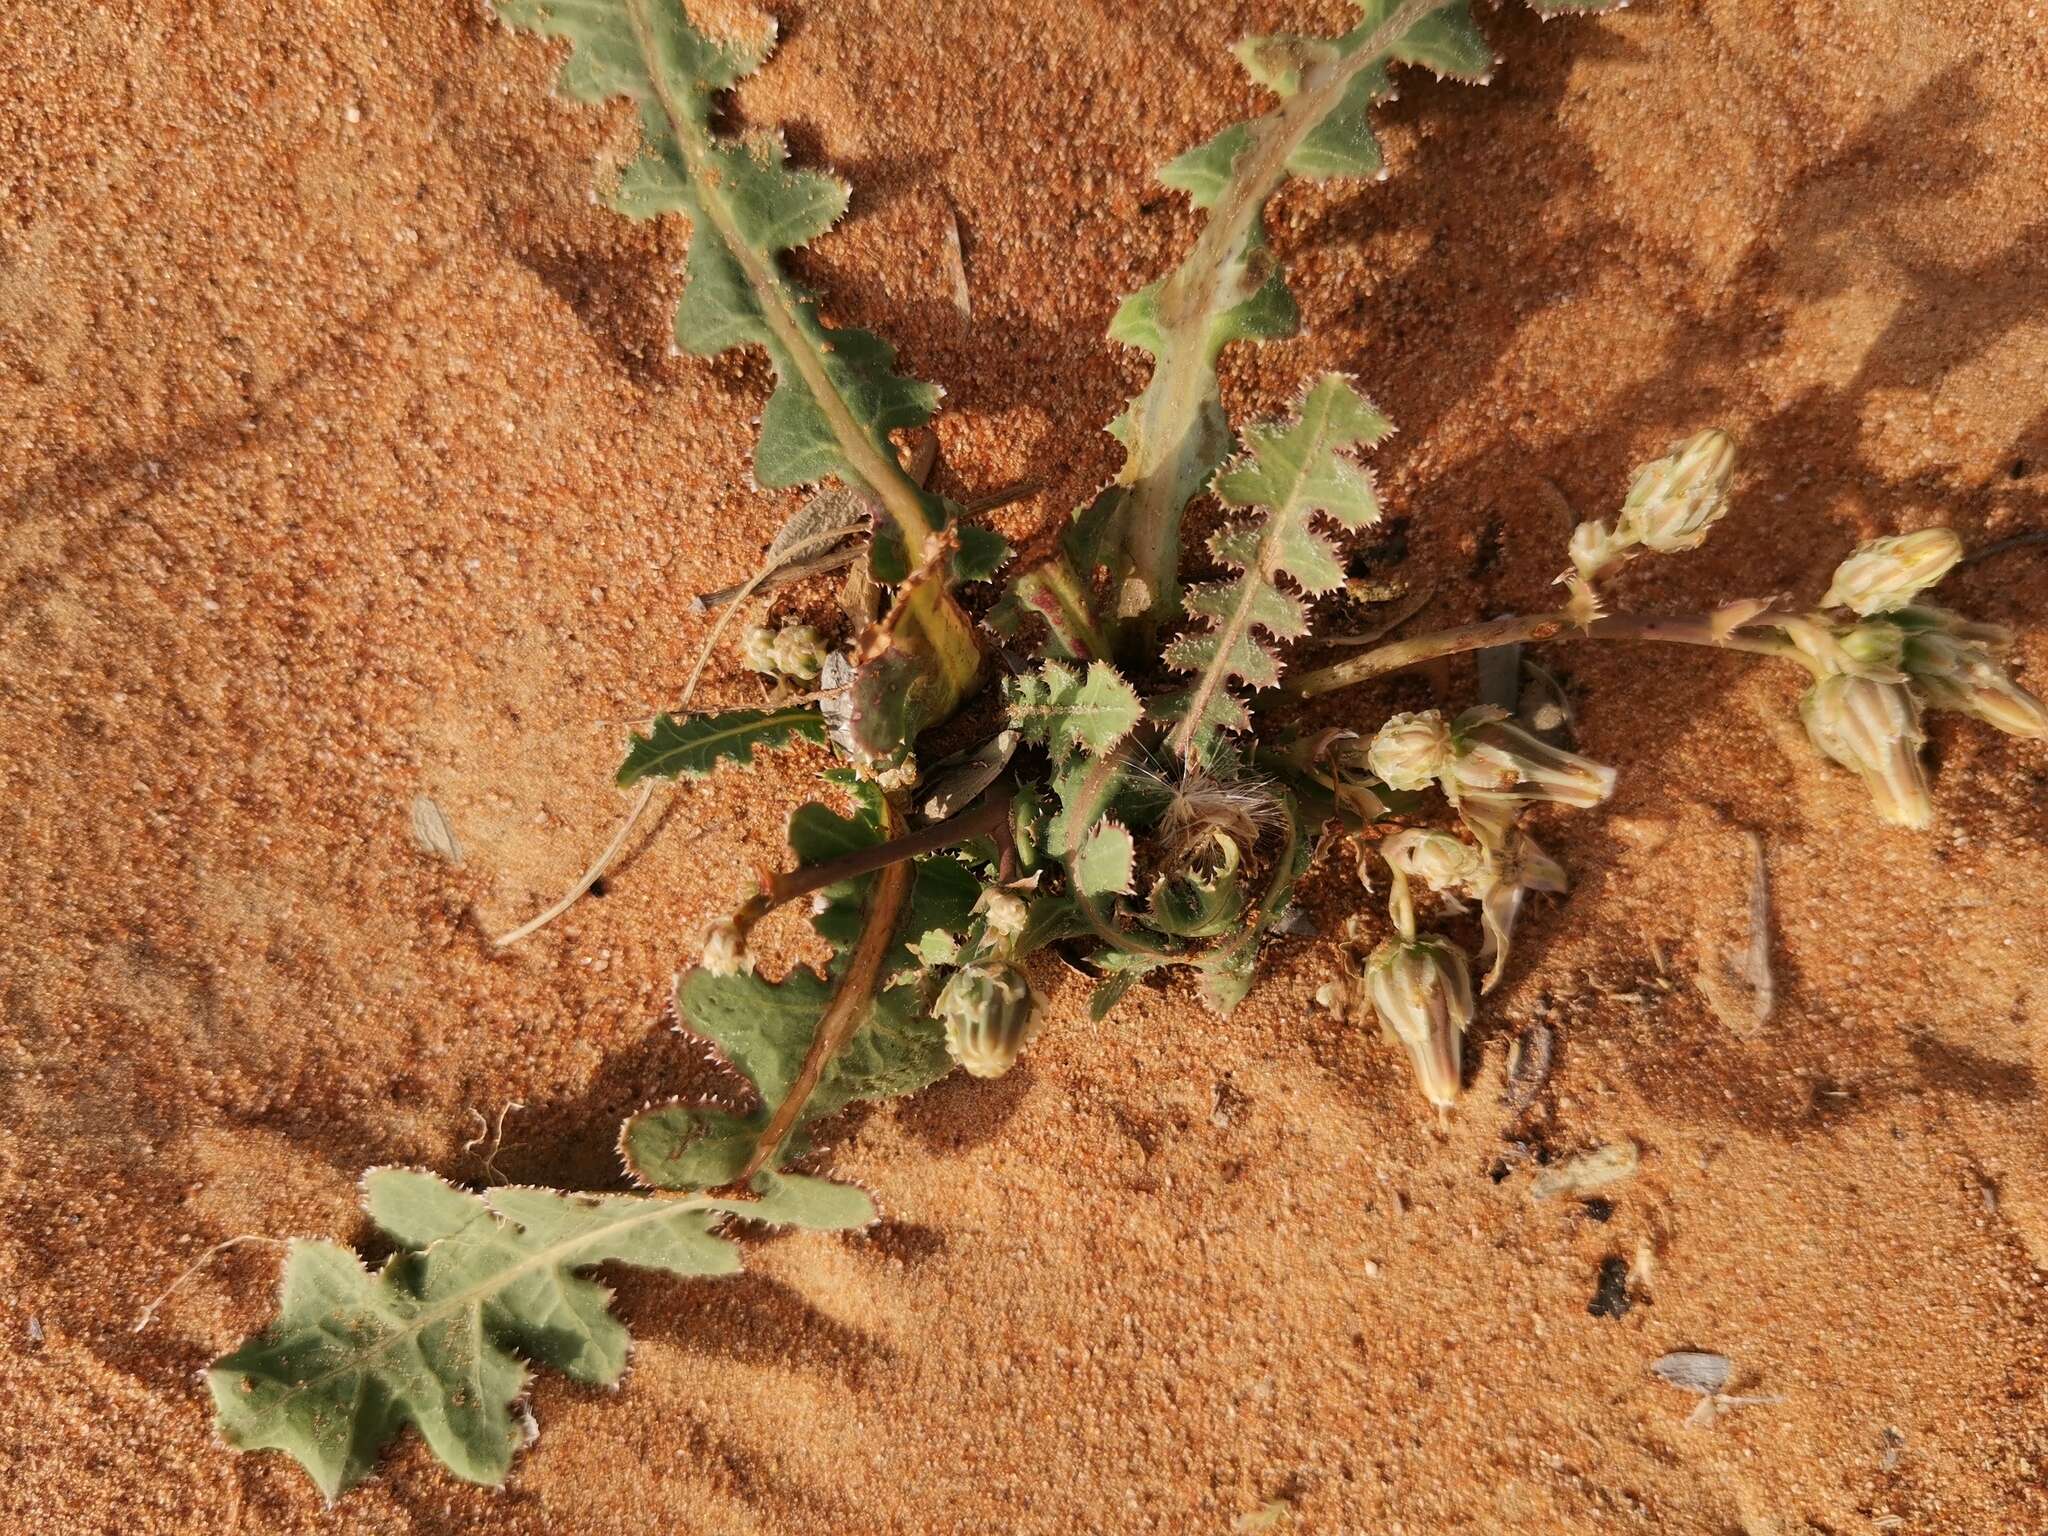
(1422, 991)
(1675, 500)
(1518, 868)
(990, 1014)
(1872, 728)
(1888, 574)
(1410, 751)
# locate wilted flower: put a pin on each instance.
(1410, 750)
(1677, 498)
(799, 652)
(1440, 861)
(1422, 991)
(1887, 574)
(1520, 867)
(990, 1014)
(1494, 760)
(1873, 728)
(725, 949)
(1949, 673)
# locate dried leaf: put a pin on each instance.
(1529, 1060)
(1739, 987)
(1589, 1171)
(1694, 1370)
(431, 832)
(956, 267)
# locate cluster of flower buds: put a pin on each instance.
(1482, 758)
(725, 949)
(990, 1014)
(795, 652)
(1893, 656)
(1671, 505)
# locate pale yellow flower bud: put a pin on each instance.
(1887, 574)
(1440, 861)
(1006, 914)
(1954, 674)
(1596, 548)
(1409, 751)
(1873, 729)
(1677, 498)
(990, 1014)
(1422, 991)
(757, 649)
(799, 653)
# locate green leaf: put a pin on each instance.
(837, 395)
(1297, 471)
(1107, 862)
(436, 1336)
(763, 1028)
(693, 746)
(1229, 288)
(1064, 711)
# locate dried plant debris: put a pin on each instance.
(1529, 1063)
(431, 833)
(956, 267)
(1589, 1171)
(1610, 1293)
(1737, 983)
(1708, 1374)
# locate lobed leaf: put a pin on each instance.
(1066, 711)
(1297, 472)
(764, 1029)
(693, 746)
(436, 1337)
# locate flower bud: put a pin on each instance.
(990, 1014)
(725, 949)
(1873, 729)
(1422, 991)
(1440, 861)
(1677, 498)
(1596, 548)
(1955, 674)
(757, 649)
(799, 653)
(1005, 913)
(1886, 574)
(1498, 761)
(1410, 750)
(1875, 650)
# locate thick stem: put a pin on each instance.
(1517, 628)
(1054, 591)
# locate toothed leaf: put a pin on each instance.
(1066, 711)
(1296, 471)
(693, 746)
(763, 1028)
(1107, 862)
(837, 395)
(1229, 288)
(436, 1336)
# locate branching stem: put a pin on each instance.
(1518, 628)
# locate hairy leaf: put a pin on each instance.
(763, 1029)
(1065, 711)
(437, 1335)
(1107, 861)
(693, 746)
(837, 395)
(1295, 471)
(1229, 288)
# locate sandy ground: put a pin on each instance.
(343, 460)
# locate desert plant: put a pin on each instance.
(1145, 815)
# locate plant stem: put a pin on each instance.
(1518, 628)
(1055, 592)
(933, 610)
